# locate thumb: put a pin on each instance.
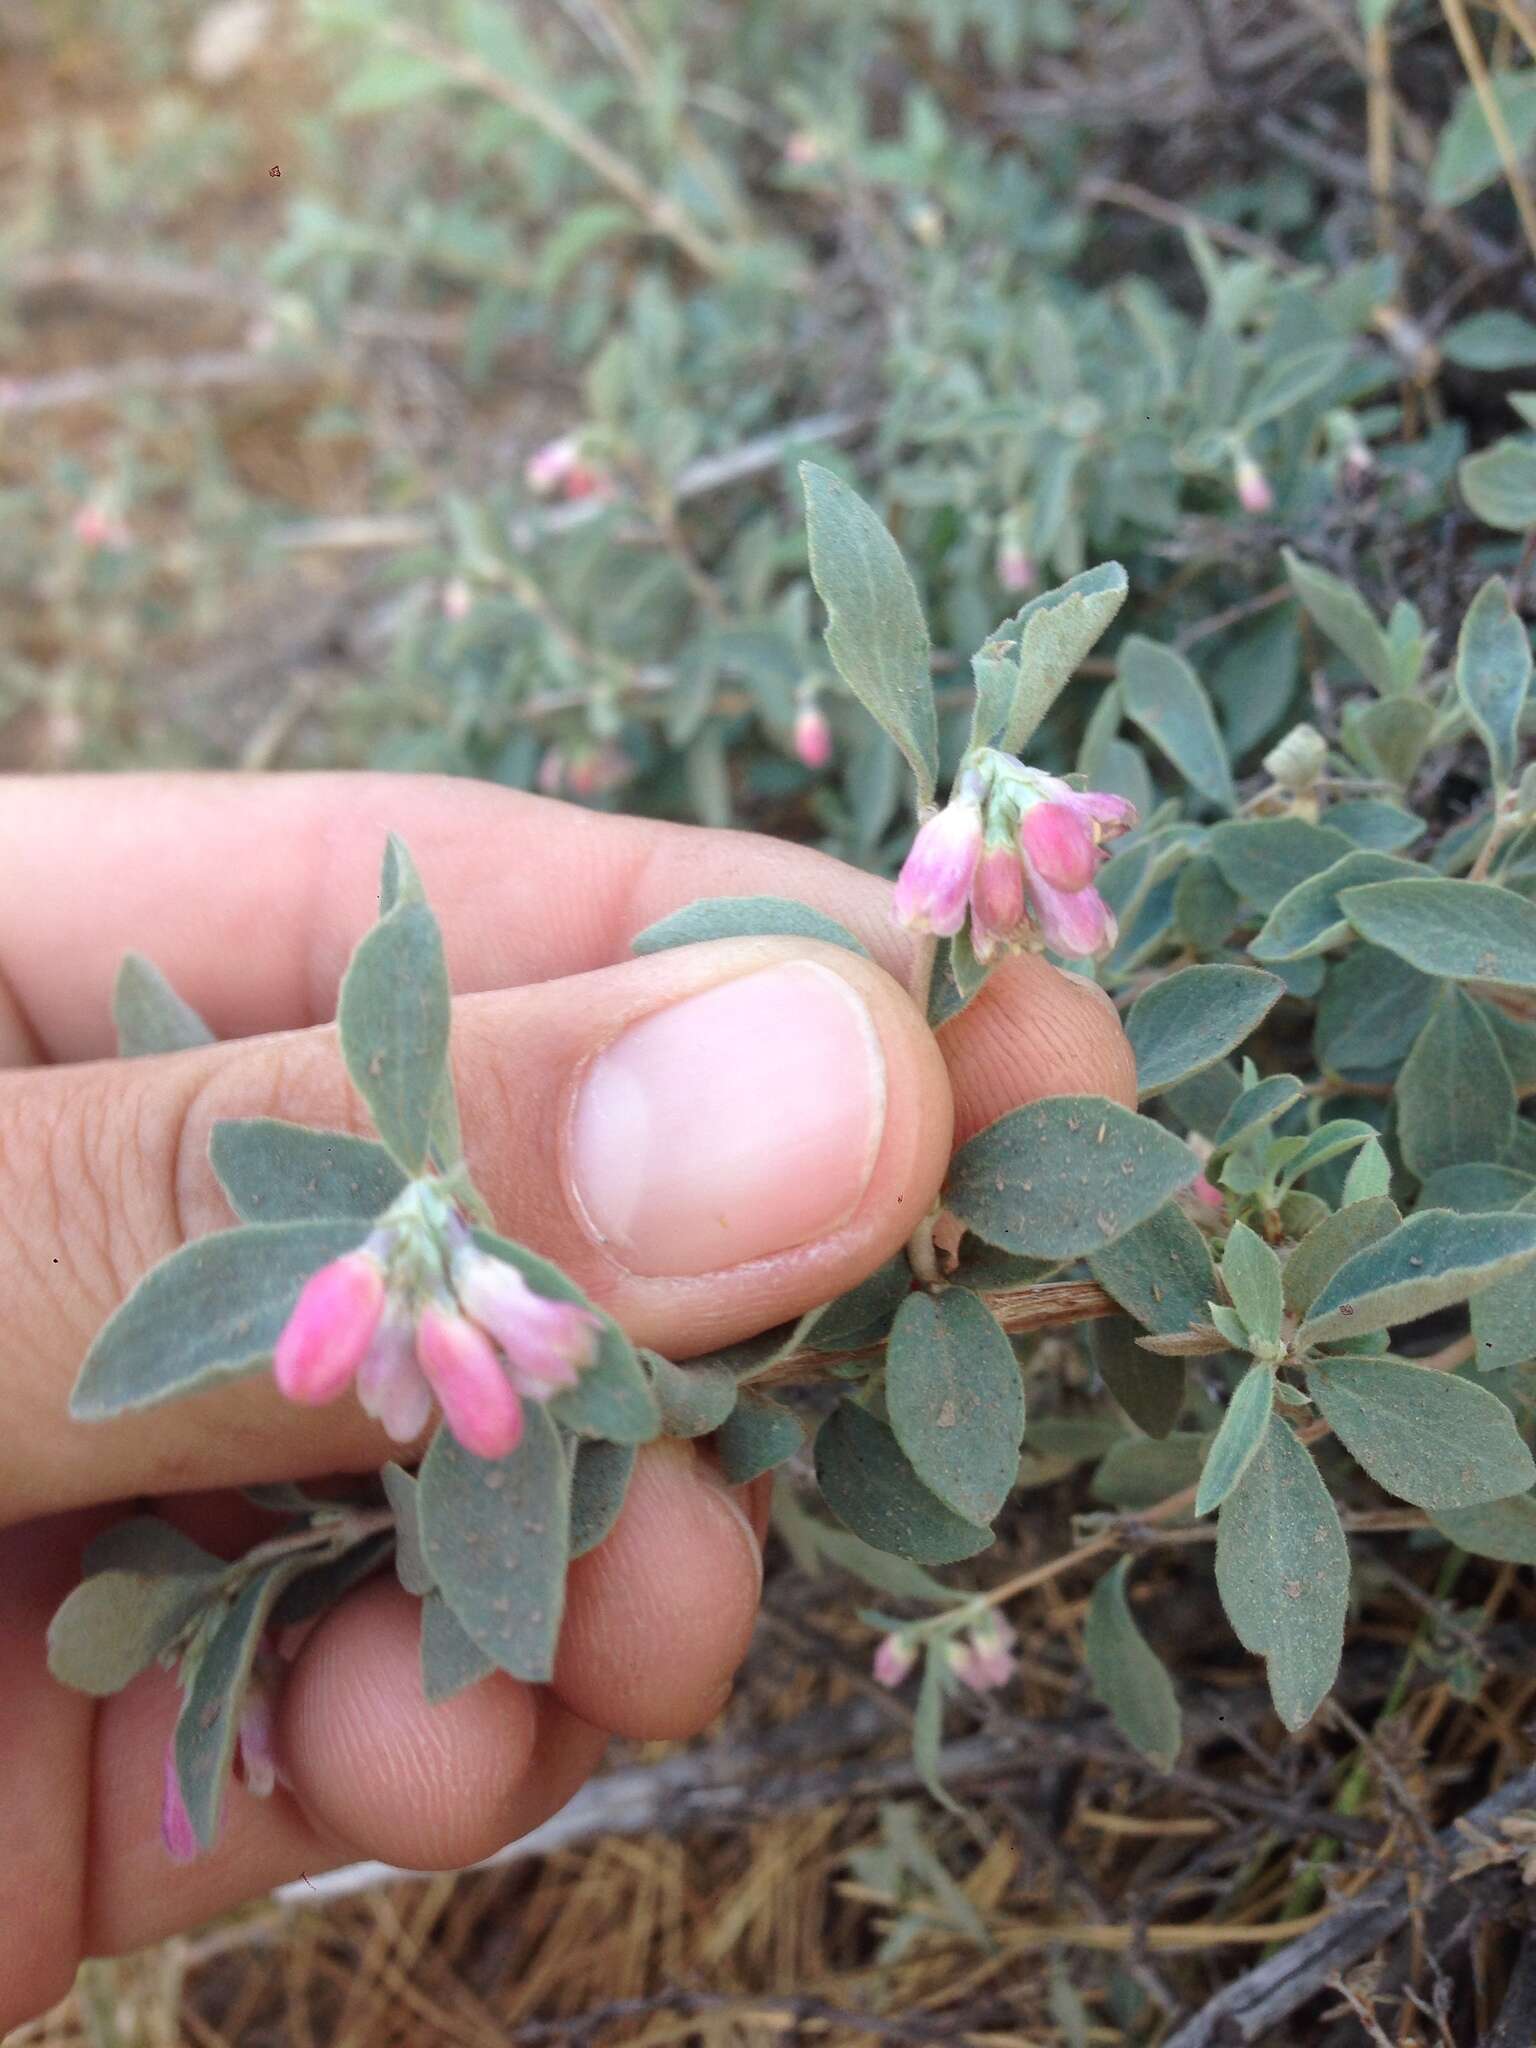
(709, 1140)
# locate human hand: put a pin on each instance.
(773, 1134)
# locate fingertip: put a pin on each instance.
(1034, 1031)
(660, 1615)
(426, 1787)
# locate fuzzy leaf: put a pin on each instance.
(1329, 1243)
(1372, 1009)
(1428, 1437)
(209, 1719)
(1065, 1176)
(400, 1490)
(1239, 1438)
(1504, 1315)
(1493, 673)
(1127, 1675)
(1251, 1274)
(1432, 1260)
(393, 1018)
(451, 1661)
(1263, 859)
(495, 1536)
(210, 1312)
(276, 1172)
(1307, 919)
(1465, 931)
(1455, 1101)
(149, 1015)
(694, 1399)
(743, 917)
(876, 634)
(1282, 1569)
(1346, 619)
(1264, 1103)
(1499, 483)
(956, 1400)
(869, 1485)
(864, 1313)
(600, 1476)
(757, 1435)
(1151, 1390)
(1163, 695)
(1027, 662)
(1502, 1529)
(1189, 1020)
(118, 1620)
(1160, 1272)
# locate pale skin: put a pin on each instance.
(250, 894)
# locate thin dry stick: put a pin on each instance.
(1470, 51)
(172, 373)
(1378, 127)
(664, 216)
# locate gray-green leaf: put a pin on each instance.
(956, 1400)
(393, 1017)
(744, 917)
(1502, 1529)
(876, 633)
(400, 1490)
(1428, 1437)
(451, 1661)
(1127, 1675)
(1066, 1176)
(868, 1483)
(1282, 1569)
(1163, 695)
(118, 1620)
(1239, 1438)
(757, 1435)
(600, 1476)
(1493, 673)
(149, 1015)
(1432, 1260)
(1251, 1273)
(1189, 1020)
(1150, 1389)
(1329, 1243)
(1263, 859)
(1465, 931)
(1455, 1101)
(495, 1534)
(276, 1172)
(1308, 920)
(210, 1312)
(210, 1714)
(1346, 618)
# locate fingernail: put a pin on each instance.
(736, 1123)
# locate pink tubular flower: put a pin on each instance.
(390, 1384)
(997, 900)
(803, 149)
(95, 527)
(478, 1400)
(936, 876)
(328, 1334)
(1204, 1192)
(598, 770)
(894, 1659)
(985, 1658)
(1253, 487)
(1076, 923)
(547, 1343)
(813, 736)
(1059, 845)
(176, 1830)
(586, 480)
(457, 599)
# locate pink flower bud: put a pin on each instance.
(1078, 923)
(1359, 464)
(478, 1400)
(894, 1659)
(803, 149)
(813, 736)
(1059, 845)
(936, 876)
(258, 1756)
(176, 1829)
(1253, 488)
(1015, 567)
(547, 468)
(597, 770)
(985, 1658)
(95, 527)
(325, 1339)
(1203, 1191)
(586, 480)
(457, 599)
(390, 1385)
(547, 1342)
(997, 900)
(551, 775)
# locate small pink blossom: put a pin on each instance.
(803, 149)
(551, 775)
(997, 900)
(1059, 845)
(1203, 1191)
(1015, 567)
(390, 1384)
(1359, 464)
(457, 599)
(935, 879)
(894, 1658)
(597, 771)
(813, 736)
(327, 1336)
(548, 468)
(985, 1658)
(1076, 923)
(586, 480)
(1254, 493)
(95, 526)
(478, 1400)
(176, 1829)
(547, 1343)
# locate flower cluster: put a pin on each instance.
(983, 1658)
(560, 467)
(1019, 850)
(420, 1314)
